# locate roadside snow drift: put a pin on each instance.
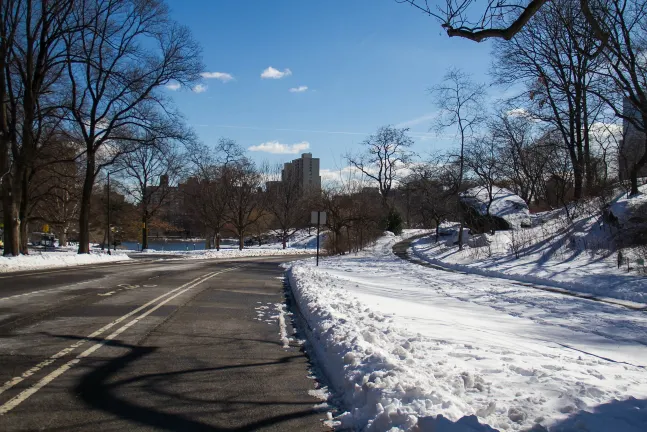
(403, 345)
(54, 260)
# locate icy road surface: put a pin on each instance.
(402, 341)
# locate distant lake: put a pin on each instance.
(174, 245)
(166, 245)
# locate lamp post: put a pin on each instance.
(108, 199)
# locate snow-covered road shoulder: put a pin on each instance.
(52, 260)
(403, 345)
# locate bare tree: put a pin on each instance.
(621, 26)
(496, 19)
(483, 160)
(149, 174)
(461, 103)
(554, 55)
(515, 134)
(208, 188)
(385, 154)
(246, 199)
(433, 198)
(123, 52)
(54, 187)
(31, 54)
(285, 202)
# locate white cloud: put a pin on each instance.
(199, 88)
(299, 89)
(222, 76)
(279, 148)
(173, 86)
(272, 73)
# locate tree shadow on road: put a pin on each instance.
(100, 390)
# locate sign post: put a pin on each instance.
(318, 218)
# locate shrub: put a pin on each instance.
(393, 222)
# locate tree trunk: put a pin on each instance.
(460, 236)
(241, 242)
(24, 237)
(62, 237)
(23, 217)
(578, 179)
(284, 239)
(86, 197)
(10, 240)
(588, 165)
(218, 241)
(14, 227)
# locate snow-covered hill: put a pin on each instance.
(579, 255)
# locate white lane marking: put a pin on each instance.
(12, 382)
(22, 396)
(62, 288)
(27, 294)
(107, 294)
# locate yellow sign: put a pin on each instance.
(46, 228)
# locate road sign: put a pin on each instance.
(318, 218)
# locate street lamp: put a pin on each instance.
(108, 196)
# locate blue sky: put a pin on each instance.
(365, 63)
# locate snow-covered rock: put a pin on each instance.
(505, 205)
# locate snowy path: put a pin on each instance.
(475, 345)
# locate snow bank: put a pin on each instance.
(231, 253)
(43, 260)
(505, 204)
(410, 348)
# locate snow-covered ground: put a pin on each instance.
(64, 258)
(577, 256)
(402, 344)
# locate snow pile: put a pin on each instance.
(249, 252)
(404, 344)
(230, 253)
(505, 204)
(42, 260)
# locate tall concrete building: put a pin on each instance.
(305, 171)
(632, 146)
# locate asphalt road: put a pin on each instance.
(163, 345)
